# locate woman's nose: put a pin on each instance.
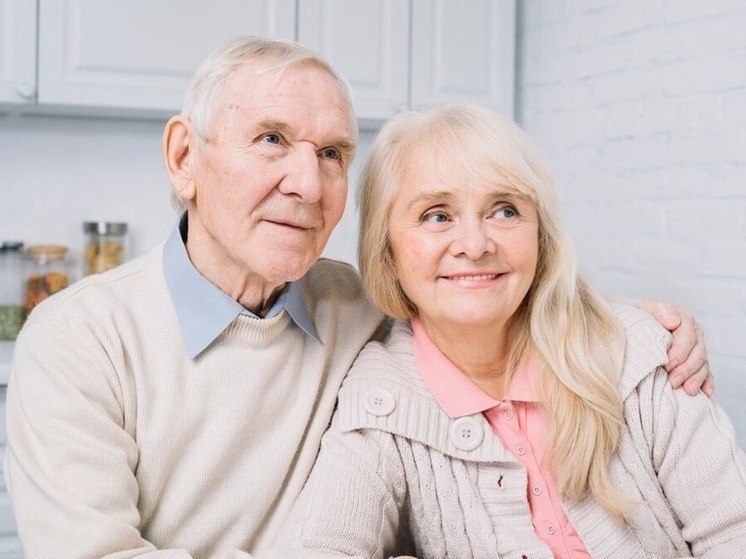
(472, 239)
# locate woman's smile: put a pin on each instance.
(481, 280)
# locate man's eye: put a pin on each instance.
(331, 153)
(273, 138)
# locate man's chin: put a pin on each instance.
(289, 270)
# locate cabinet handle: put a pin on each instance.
(26, 90)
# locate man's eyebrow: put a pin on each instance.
(345, 144)
(270, 124)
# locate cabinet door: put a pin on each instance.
(464, 52)
(17, 51)
(139, 54)
(367, 41)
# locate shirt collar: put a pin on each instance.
(453, 390)
(203, 310)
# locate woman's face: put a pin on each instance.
(465, 252)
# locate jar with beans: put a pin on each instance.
(106, 246)
(46, 273)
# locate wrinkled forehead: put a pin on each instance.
(304, 86)
(274, 78)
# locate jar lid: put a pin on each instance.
(11, 246)
(104, 227)
(47, 252)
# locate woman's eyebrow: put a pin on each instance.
(430, 197)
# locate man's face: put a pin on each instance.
(271, 182)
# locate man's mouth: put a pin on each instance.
(291, 224)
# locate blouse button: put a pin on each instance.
(466, 433)
(509, 415)
(537, 490)
(380, 402)
(551, 529)
(521, 450)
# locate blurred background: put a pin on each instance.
(639, 107)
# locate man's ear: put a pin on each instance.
(179, 141)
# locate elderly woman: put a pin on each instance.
(511, 413)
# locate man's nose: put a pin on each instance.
(472, 238)
(304, 176)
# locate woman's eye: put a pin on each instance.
(435, 217)
(506, 212)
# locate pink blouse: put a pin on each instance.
(517, 422)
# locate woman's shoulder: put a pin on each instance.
(646, 345)
(382, 382)
(388, 360)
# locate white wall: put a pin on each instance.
(638, 105)
(640, 109)
(56, 173)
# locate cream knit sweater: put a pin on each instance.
(394, 461)
(121, 446)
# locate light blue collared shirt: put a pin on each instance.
(203, 310)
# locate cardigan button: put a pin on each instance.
(379, 402)
(466, 433)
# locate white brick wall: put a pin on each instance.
(639, 107)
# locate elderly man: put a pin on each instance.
(173, 407)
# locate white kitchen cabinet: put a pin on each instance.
(398, 55)
(111, 57)
(368, 43)
(464, 52)
(17, 51)
(138, 55)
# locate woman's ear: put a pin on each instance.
(178, 153)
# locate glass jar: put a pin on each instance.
(46, 273)
(12, 313)
(106, 246)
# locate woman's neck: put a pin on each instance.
(481, 352)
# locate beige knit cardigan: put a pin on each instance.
(393, 462)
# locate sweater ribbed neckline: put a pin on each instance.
(259, 332)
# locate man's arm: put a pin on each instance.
(688, 364)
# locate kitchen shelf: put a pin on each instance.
(6, 351)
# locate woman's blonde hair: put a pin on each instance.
(571, 334)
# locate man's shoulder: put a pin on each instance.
(334, 281)
(327, 269)
(336, 302)
(118, 287)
